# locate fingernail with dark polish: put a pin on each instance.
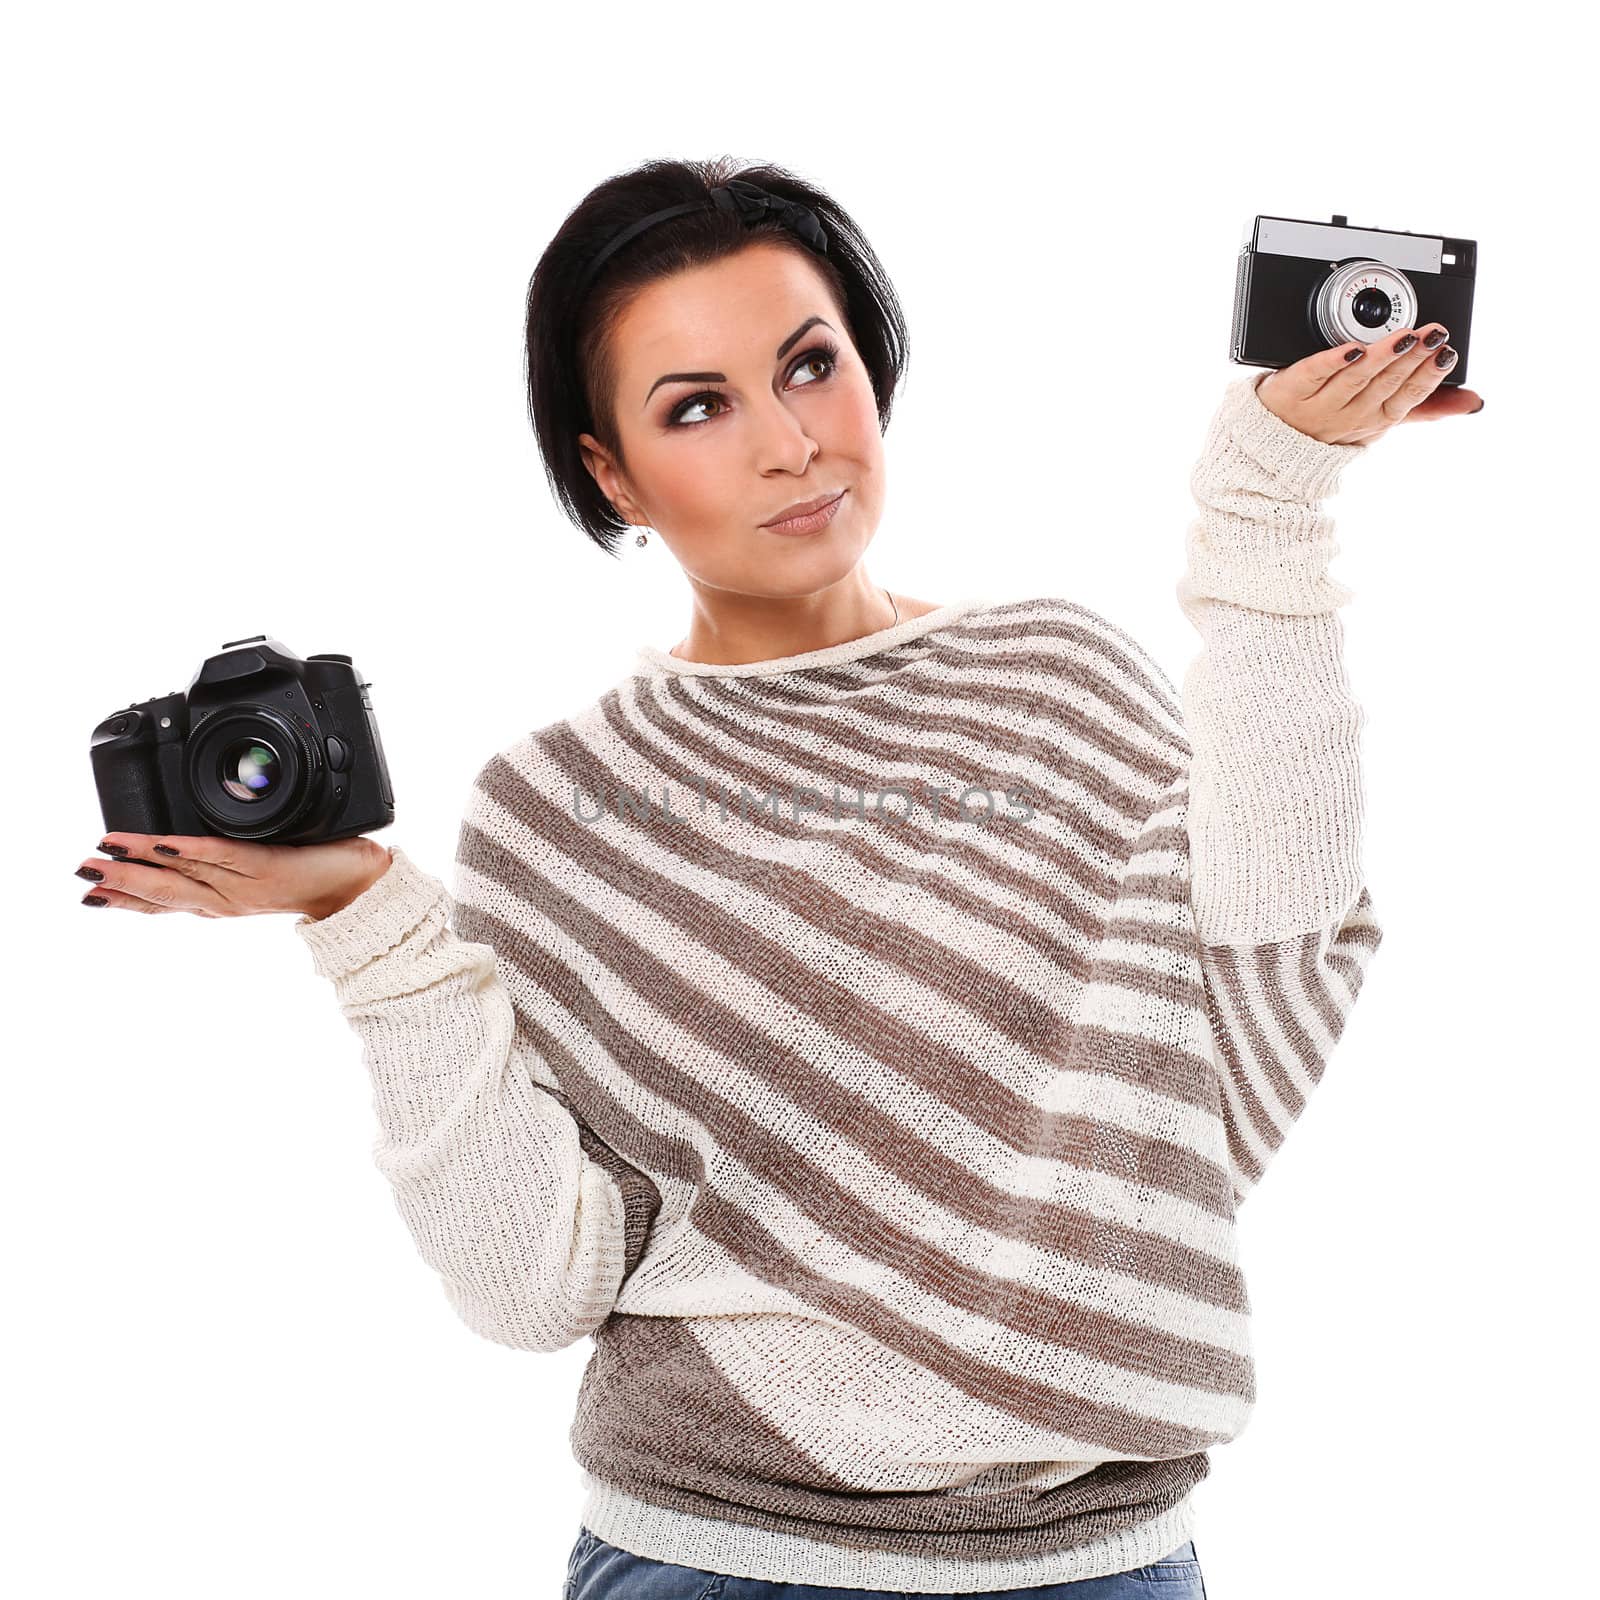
(1476, 409)
(165, 850)
(94, 899)
(1356, 354)
(1445, 358)
(93, 874)
(1436, 338)
(114, 849)
(1405, 344)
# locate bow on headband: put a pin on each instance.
(752, 203)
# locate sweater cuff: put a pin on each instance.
(1304, 468)
(374, 922)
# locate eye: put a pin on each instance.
(677, 412)
(825, 354)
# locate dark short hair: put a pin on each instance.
(571, 373)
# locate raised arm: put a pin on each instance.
(1276, 799)
(531, 1235)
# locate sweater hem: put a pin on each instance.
(393, 905)
(1304, 466)
(711, 1545)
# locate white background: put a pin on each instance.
(264, 283)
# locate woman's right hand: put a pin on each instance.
(213, 876)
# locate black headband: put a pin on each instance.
(748, 201)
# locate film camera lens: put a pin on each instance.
(1363, 300)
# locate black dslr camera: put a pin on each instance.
(1309, 286)
(264, 746)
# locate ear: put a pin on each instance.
(601, 468)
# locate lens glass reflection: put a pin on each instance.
(250, 770)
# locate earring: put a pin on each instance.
(643, 538)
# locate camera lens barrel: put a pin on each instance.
(1363, 300)
(251, 772)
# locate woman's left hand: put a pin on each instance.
(1343, 401)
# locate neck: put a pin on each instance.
(729, 630)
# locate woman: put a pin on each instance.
(865, 1020)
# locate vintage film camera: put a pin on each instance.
(1308, 286)
(263, 746)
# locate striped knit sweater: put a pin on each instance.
(870, 1049)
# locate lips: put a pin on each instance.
(803, 508)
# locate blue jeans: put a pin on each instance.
(600, 1571)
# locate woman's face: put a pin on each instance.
(730, 409)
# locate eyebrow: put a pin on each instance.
(722, 377)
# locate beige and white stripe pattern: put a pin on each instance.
(890, 1152)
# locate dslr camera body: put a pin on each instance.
(1309, 286)
(263, 746)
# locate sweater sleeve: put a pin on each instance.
(1281, 907)
(531, 1235)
